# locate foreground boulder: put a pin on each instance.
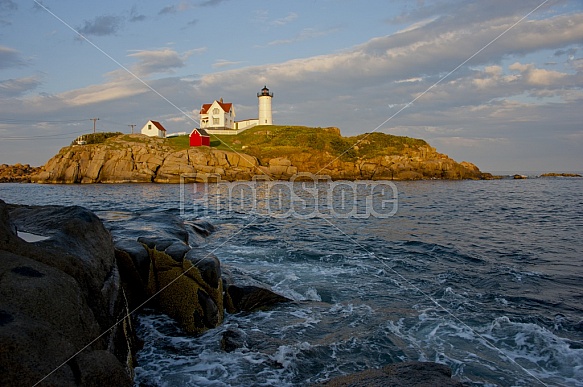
(407, 374)
(62, 315)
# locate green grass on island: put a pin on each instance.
(267, 141)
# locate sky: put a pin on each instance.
(494, 82)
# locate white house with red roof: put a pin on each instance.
(154, 129)
(218, 115)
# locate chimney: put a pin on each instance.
(221, 100)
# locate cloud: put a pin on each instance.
(467, 11)
(12, 88)
(39, 6)
(167, 10)
(200, 50)
(571, 51)
(193, 22)
(120, 86)
(225, 63)
(135, 16)
(426, 53)
(10, 57)
(576, 137)
(8, 6)
(211, 3)
(471, 142)
(101, 26)
(305, 34)
(158, 61)
(538, 77)
(260, 16)
(175, 8)
(101, 93)
(409, 80)
(417, 25)
(285, 20)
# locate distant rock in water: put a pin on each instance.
(17, 173)
(554, 174)
(139, 159)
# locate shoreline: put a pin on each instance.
(29, 179)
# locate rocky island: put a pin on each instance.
(276, 152)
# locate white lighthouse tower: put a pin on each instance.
(265, 117)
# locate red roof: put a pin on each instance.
(202, 132)
(158, 125)
(226, 106)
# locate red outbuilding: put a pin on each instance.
(199, 137)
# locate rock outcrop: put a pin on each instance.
(62, 310)
(412, 164)
(139, 159)
(169, 272)
(17, 173)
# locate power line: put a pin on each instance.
(48, 136)
(15, 121)
(53, 136)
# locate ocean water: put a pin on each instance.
(484, 276)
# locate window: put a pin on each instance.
(149, 126)
(215, 121)
(216, 111)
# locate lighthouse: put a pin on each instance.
(265, 97)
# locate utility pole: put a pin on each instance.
(94, 120)
(132, 126)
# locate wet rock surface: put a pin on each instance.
(60, 300)
(167, 270)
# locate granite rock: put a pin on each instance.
(60, 300)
